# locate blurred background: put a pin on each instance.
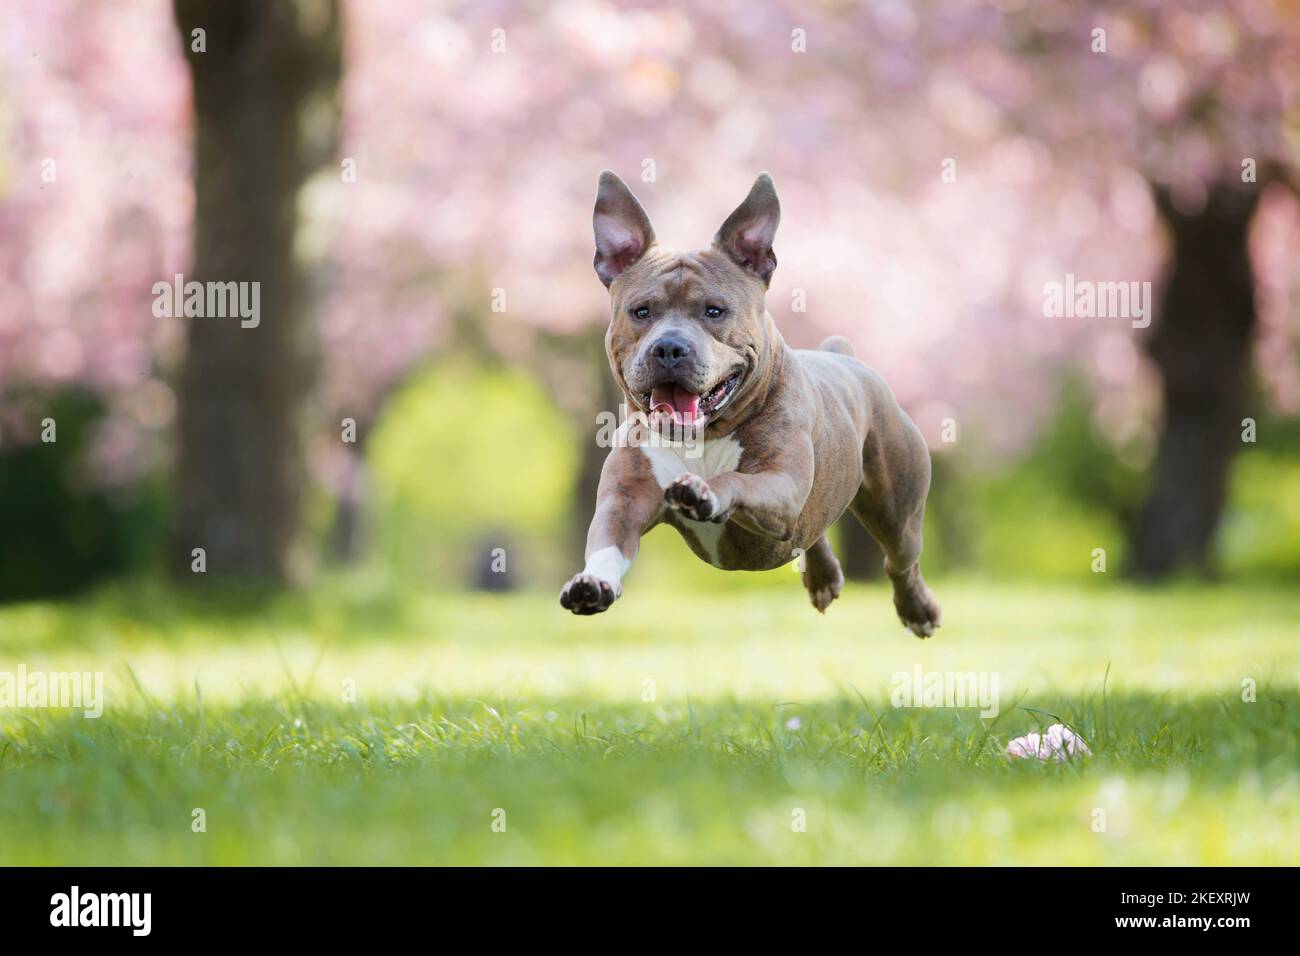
(412, 187)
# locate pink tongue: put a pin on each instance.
(683, 405)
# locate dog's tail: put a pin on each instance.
(837, 344)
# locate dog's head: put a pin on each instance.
(690, 341)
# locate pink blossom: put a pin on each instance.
(1059, 743)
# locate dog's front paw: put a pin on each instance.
(691, 497)
(588, 594)
(823, 585)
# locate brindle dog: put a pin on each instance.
(749, 448)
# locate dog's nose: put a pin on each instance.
(670, 350)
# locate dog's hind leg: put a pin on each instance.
(901, 541)
(821, 574)
(891, 506)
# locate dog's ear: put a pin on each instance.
(747, 234)
(623, 230)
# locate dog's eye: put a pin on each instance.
(642, 313)
(713, 311)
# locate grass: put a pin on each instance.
(675, 729)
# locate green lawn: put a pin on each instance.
(762, 714)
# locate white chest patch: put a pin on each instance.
(704, 458)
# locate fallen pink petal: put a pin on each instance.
(1059, 743)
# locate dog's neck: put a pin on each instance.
(766, 377)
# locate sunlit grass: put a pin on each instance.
(351, 726)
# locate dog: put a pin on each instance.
(785, 440)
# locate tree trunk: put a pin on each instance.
(861, 558)
(346, 541)
(606, 398)
(1201, 343)
(266, 112)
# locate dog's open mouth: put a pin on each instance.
(685, 407)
